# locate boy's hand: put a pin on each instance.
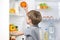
(26, 9)
(13, 33)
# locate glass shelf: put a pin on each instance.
(16, 15)
(48, 0)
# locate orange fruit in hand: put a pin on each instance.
(23, 4)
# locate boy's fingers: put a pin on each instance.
(26, 9)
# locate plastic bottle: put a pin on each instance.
(46, 34)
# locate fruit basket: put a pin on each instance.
(43, 6)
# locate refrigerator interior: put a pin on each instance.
(52, 25)
(48, 0)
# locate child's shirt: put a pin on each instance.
(32, 33)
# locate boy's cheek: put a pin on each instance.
(27, 23)
(27, 20)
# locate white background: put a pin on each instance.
(4, 19)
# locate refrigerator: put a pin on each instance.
(49, 27)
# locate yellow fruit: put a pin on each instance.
(12, 28)
(12, 10)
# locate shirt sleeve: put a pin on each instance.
(27, 32)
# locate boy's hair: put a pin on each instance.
(35, 16)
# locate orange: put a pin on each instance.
(23, 4)
(45, 7)
(41, 7)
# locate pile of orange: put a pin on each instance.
(43, 6)
(23, 4)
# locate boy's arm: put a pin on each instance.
(16, 33)
(26, 9)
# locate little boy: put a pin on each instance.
(32, 32)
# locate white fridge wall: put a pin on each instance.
(59, 8)
(31, 4)
(57, 31)
(19, 21)
(58, 26)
